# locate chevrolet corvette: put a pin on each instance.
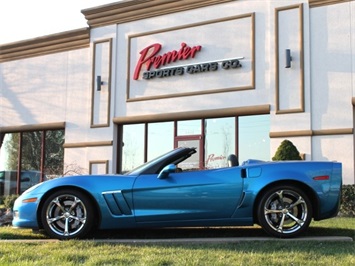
(281, 197)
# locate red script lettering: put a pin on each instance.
(149, 56)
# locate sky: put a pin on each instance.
(27, 19)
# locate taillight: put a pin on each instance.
(321, 177)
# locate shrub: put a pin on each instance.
(347, 207)
(286, 151)
(9, 201)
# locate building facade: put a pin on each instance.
(226, 76)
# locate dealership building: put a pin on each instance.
(146, 76)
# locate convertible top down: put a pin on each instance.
(282, 197)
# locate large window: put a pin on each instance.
(189, 127)
(31, 151)
(219, 141)
(133, 146)
(253, 137)
(160, 139)
(215, 139)
(54, 153)
(28, 158)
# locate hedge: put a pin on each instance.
(347, 207)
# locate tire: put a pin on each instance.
(284, 212)
(67, 214)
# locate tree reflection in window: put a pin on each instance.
(41, 154)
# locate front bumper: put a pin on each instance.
(25, 214)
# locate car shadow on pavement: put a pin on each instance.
(208, 232)
(323, 231)
(166, 233)
(181, 233)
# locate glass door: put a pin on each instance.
(195, 162)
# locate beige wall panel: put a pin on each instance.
(331, 67)
(101, 83)
(289, 78)
(98, 167)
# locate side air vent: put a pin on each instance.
(117, 203)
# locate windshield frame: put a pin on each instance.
(154, 166)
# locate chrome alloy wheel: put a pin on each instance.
(285, 211)
(66, 215)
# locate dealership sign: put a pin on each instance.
(192, 59)
(156, 65)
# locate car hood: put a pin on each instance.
(91, 183)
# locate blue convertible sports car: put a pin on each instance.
(282, 197)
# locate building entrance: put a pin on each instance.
(196, 141)
(215, 139)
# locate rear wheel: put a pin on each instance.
(284, 211)
(67, 214)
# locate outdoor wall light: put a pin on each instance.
(288, 58)
(99, 83)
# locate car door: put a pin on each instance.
(194, 195)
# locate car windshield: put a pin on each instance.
(141, 168)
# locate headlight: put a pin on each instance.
(15, 214)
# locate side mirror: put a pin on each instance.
(171, 168)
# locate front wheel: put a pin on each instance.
(284, 211)
(67, 214)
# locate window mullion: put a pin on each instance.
(19, 165)
(43, 154)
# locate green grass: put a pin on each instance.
(88, 252)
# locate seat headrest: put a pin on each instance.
(233, 160)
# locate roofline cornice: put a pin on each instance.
(318, 3)
(49, 44)
(130, 10)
